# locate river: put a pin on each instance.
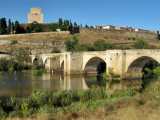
(21, 84)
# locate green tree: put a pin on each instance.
(86, 26)
(60, 22)
(141, 44)
(75, 24)
(52, 26)
(67, 22)
(63, 28)
(12, 25)
(70, 24)
(38, 28)
(56, 50)
(17, 27)
(9, 26)
(3, 64)
(3, 26)
(35, 27)
(20, 57)
(99, 45)
(70, 45)
(28, 30)
(81, 47)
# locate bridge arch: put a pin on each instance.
(37, 61)
(94, 65)
(135, 67)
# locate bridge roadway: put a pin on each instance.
(126, 63)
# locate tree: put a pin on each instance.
(81, 47)
(70, 45)
(60, 22)
(20, 56)
(64, 22)
(70, 24)
(67, 22)
(75, 24)
(35, 27)
(12, 25)
(17, 27)
(3, 26)
(86, 26)
(63, 28)
(141, 44)
(99, 45)
(56, 50)
(9, 26)
(53, 26)
(28, 30)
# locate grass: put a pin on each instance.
(39, 72)
(1, 72)
(144, 107)
(45, 101)
(2, 83)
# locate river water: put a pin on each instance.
(21, 84)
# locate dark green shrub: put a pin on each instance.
(141, 44)
(14, 42)
(52, 26)
(3, 64)
(56, 50)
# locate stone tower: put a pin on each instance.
(35, 15)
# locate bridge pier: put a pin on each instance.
(73, 63)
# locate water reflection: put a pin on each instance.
(111, 86)
(22, 84)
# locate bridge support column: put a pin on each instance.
(73, 63)
(53, 64)
(116, 62)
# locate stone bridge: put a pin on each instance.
(126, 63)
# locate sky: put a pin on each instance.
(144, 14)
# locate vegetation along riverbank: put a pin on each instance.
(95, 103)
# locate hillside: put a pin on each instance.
(45, 41)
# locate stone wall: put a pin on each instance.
(123, 33)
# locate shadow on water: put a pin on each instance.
(23, 83)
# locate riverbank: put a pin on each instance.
(95, 103)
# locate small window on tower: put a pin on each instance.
(36, 14)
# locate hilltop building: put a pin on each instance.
(35, 15)
(109, 27)
(97, 27)
(126, 28)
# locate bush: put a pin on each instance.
(14, 42)
(81, 47)
(141, 44)
(156, 71)
(55, 50)
(3, 64)
(104, 75)
(52, 26)
(34, 27)
(101, 45)
(11, 69)
(37, 72)
(70, 45)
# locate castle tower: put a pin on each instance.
(35, 15)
